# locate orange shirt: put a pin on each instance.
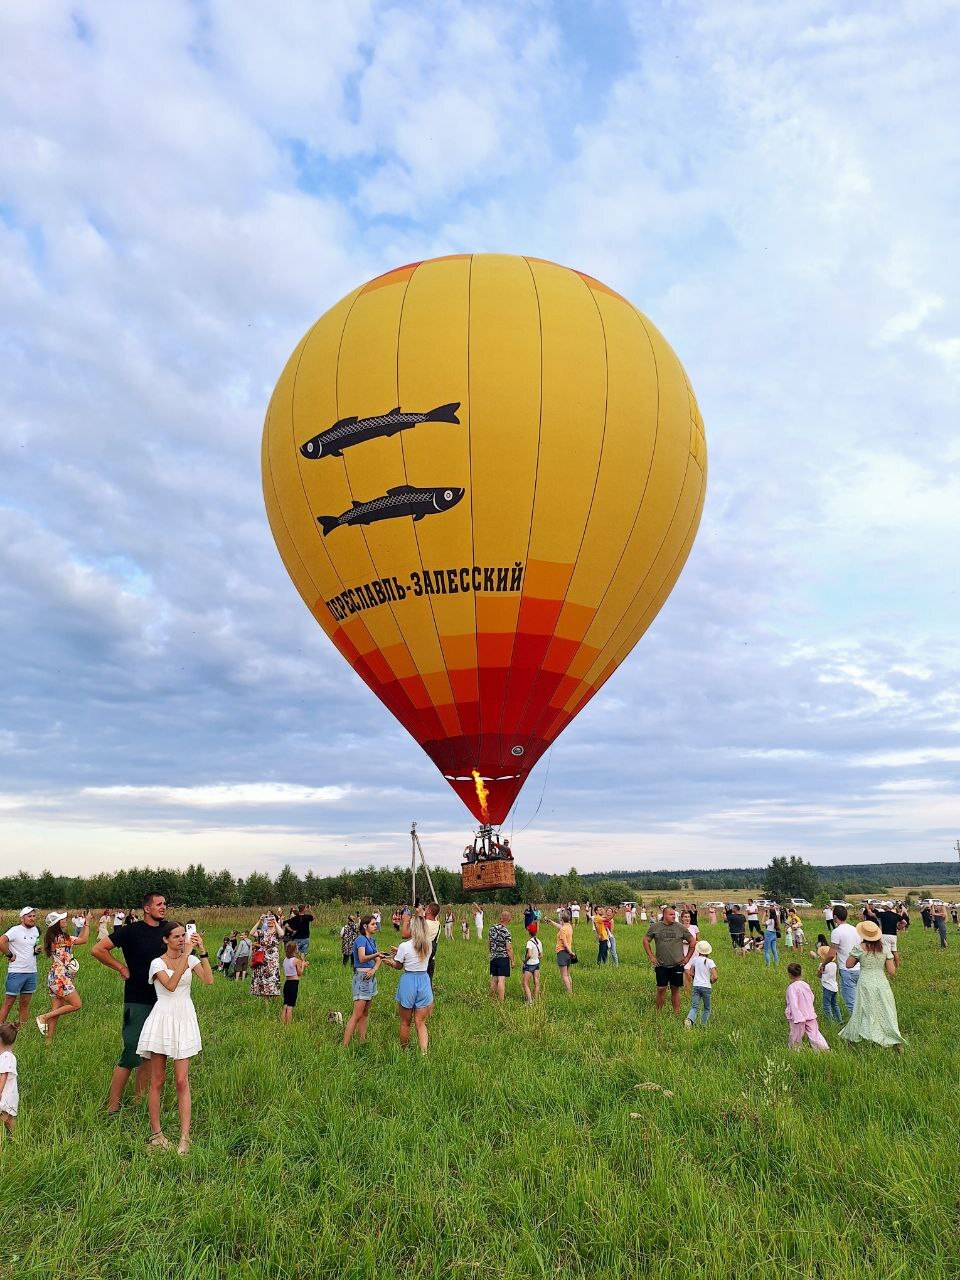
(565, 938)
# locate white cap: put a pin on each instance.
(54, 917)
(27, 911)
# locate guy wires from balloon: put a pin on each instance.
(427, 582)
(353, 431)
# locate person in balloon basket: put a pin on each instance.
(669, 946)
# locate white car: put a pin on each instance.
(800, 902)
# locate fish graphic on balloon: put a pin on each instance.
(353, 431)
(403, 500)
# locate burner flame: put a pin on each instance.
(482, 793)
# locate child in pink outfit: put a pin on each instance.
(801, 1012)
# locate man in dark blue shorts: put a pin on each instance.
(674, 945)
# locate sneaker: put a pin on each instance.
(688, 1024)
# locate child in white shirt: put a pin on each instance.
(704, 976)
(829, 984)
(531, 967)
(9, 1096)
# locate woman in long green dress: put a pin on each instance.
(874, 1014)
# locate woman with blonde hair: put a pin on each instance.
(414, 991)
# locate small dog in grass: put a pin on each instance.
(335, 1016)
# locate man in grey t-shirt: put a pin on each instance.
(674, 946)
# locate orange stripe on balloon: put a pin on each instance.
(398, 276)
(546, 579)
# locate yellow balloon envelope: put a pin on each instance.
(484, 474)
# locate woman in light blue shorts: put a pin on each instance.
(366, 960)
(414, 991)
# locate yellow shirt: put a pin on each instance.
(565, 938)
(601, 927)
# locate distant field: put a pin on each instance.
(521, 1147)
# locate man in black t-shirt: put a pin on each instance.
(737, 924)
(140, 944)
(889, 921)
(298, 928)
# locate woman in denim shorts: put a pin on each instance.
(366, 962)
(414, 991)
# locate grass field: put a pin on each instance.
(520, 1147)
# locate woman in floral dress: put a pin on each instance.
(266, 938)
(64, 997)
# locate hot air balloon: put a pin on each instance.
(484, 474)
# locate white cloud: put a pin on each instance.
(224, 796)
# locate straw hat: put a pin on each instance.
(704, 948)
(869, 931)
(823, 952)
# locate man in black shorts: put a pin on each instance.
(737, 924)
(675, 945)
(140, 944)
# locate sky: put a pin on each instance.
(186, 187)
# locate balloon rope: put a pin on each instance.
(540, 802)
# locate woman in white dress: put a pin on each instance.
(171, 1029)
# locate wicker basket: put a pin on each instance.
(497, 873)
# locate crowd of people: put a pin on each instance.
(157, 959)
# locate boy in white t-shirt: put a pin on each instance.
(829, 984)
(9, 1097)
(704, 976)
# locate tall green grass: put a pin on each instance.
(520, 1147)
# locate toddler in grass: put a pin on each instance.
(801, 1013)
(9, 1098)
(704, 976)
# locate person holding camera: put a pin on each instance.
(171, 1029)
(64, 996)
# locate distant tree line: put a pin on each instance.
(197, 887)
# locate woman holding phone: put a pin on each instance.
(414, 991)
(171, 1029)
(64, 997)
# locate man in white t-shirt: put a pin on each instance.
(478, 921)
(575, 912)
(842, 941)
(19, 944)
(118, 919)
(753, 918)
